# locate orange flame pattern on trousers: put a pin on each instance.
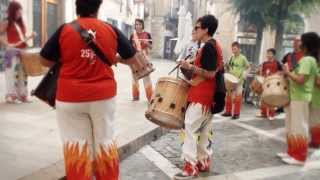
(80, 167)
(77, 162)
(107, 163)
(297, 146)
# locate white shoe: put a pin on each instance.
(292, 161)
(283, 155)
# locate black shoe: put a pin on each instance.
(235, 117)
(226, 114)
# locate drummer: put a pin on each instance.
(237, 66)
(269, 67)
(301, 84)
(197, 146)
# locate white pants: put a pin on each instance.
(197, 146)
(297, 128)
(87, 133)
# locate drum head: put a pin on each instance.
(164, 119)
(231, 78)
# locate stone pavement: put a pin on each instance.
(30, 146)
(243, 150)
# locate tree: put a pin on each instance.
(280, 13)
(274, 13)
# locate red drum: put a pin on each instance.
(142, 67)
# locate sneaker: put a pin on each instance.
(292, 161)
(235, 117)
(283, 155)
(226, 114)
(189, 172)
(205, 166)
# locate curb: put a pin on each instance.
(56, 171)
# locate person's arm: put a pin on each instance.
(127, 53)
(50, 53)
(300, 76)
(208, 63)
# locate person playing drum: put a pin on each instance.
(301, 85)
(197, 146)
(315, 113)
(237, 66)
(269, 67)
(142, 41)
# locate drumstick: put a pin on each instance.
(179, 65)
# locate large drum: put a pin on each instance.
(231, 81)
(142, 67)
(275, 91)
(256, 85)
(169, 102)
(32, 64)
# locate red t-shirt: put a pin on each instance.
(270, 67)
(142, 36)
(298, 55)
(13, 36)
(83, 77)
(209, 58)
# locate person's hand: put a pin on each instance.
(185, 65)
(286, 69)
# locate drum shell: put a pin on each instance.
(256, 85)
(275, 91)
(141, 67)
(231, 82)
(32, 64)
(169, 102)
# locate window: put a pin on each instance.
(45, 19)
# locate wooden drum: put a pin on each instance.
(142, 67)
(32, 65)
(169, 102)
(275, 91)
(231, 81)
(256, 85)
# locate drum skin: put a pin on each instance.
(169, 102)
(275, 91)
(231, 81)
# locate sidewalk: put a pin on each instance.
(30, 146)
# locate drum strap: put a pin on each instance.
(89, 39)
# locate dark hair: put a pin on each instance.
(13, 7)
(87, 8)
(235, 44)
(140, 21)
(209, 22)
(311, 43)
(272, 50)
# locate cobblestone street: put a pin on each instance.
(243, 149)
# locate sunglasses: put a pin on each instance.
(196, 28)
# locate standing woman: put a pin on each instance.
(13, 37)
(142, 41)
(301, 85)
